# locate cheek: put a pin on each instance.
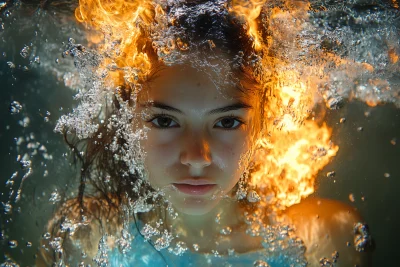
(160, 153)
(230, 152)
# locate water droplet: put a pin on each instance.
(226, 231)
(361, 236)
(15, 107)
(218, 218)
(12, 243)
(260, 263)
(253, 197)
(11, 64)
(324, 262)
(7, 208)
(55, 197)
(46, 235)
(331, 174)
(24, 51)
(335, 256)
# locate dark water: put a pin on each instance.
(365, 156)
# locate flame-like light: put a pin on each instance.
(249, 11)
(294, 149)
(124, 24)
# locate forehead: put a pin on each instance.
(185, 84)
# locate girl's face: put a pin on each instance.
(197, 137)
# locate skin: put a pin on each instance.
(196, 145)
(193, 144)
(190, 145)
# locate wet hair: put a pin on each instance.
(228, 35)
(211, 32)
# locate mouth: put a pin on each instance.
(195, 188)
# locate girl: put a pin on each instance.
(165, 174)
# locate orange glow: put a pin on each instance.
(124, 24)
(393, 57)
(291, 162)
(249, 11)
(294, 149)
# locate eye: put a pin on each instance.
(229, 123)
(162, 121)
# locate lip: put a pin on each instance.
(195, 187)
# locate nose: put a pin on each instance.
(195, 151)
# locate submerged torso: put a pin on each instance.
(278, 251)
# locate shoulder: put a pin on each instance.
(73, 234)
(332, 230)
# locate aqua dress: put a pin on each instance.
(142, 253)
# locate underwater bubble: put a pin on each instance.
(386, 174)
(164, 241)
(24, 122)
(12, 243)
(361, 236)
(46, 235)
(253, 197)
(24, 51)
(226, 231)
(7, 208)
(15, 107)
(335, 256)
(196, 247)
(25, 164)
(28, 244)
(231, 251)
(55, 197)
(331, 174)
(36, 59)
(46, 119)
(393, 141)
(352, 198)
(218, 218)
(216, 253)
(335, 102)
(342, 120)
(179, 249)
(260, 263)
(360, 129)
(11, 65)
(57, 60)
(324, 262)
(9, 263)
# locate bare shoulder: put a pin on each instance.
(73, 236)
(332, 231)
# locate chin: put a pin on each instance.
(195, 206)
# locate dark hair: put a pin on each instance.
(214, 29)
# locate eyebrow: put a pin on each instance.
(235, 106)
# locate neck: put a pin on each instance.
(205, 230)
